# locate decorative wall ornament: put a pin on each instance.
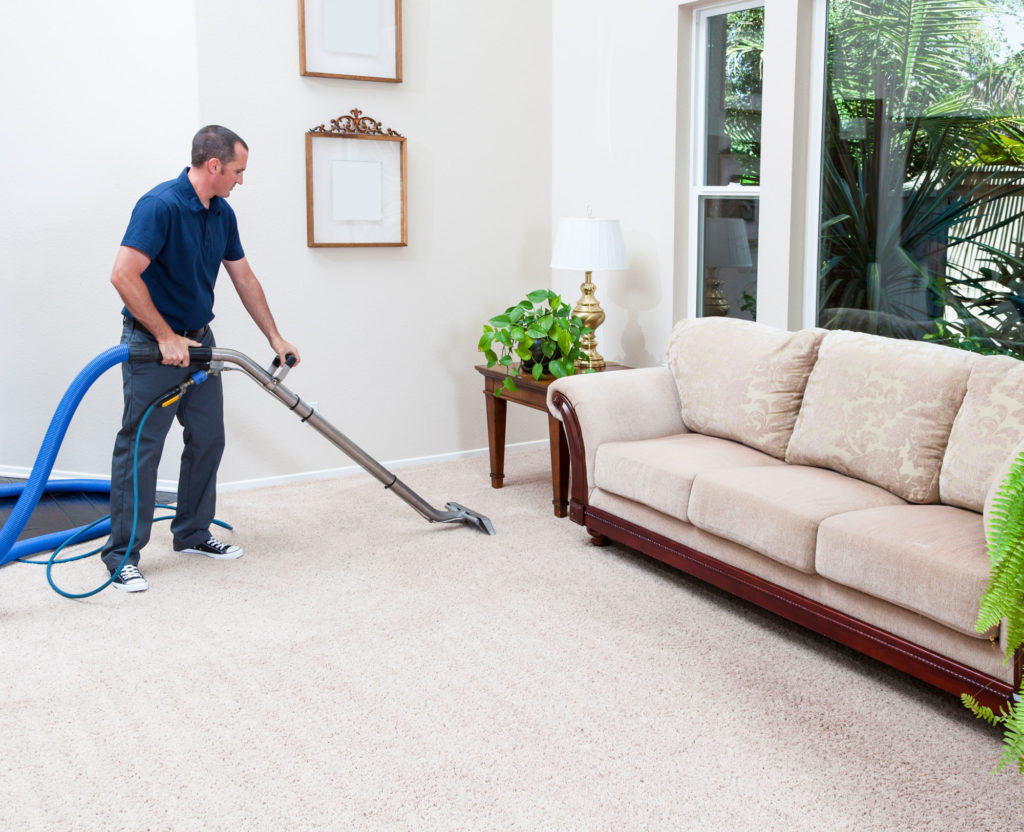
(355, 184)
(358, 39)
(354, 122)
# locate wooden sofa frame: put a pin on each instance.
(924, 664)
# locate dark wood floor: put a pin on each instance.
(57, 512)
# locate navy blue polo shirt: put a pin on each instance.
(186, 244)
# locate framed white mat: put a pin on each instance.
(359, 39)
(355, 184)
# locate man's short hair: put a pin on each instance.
(215, 142)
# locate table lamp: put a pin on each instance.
(725, 246)
(589, 245)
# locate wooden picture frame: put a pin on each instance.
(356, 39)
(355, 184)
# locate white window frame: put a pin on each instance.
(698, 141)
(815, 145)
(789, 192)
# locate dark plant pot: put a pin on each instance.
(538, 357)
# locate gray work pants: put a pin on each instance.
(201, 413)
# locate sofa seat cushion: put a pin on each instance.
(659, 472)
(776, 511)
(881, 410)
(988, 427)
(742, 380)
(929, 559)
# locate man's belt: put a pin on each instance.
(193, 334)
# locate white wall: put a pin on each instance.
(622, 116)
(614, 149)
(94, 109)
(104, 109)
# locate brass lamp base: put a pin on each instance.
(589, 310)
(715, 303)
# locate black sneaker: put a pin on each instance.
(213, 548)
(130, 579)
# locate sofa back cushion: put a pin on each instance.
(988, 427)
(741, 380)
(881, 409)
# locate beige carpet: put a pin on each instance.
(360, 668)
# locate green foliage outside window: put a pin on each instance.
(922, 223)
(744, 71)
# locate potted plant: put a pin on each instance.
(1004, 598)
(540, 332)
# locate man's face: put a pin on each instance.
(226, 176)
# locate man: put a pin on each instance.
(178, 236)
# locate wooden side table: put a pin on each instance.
(531, 393)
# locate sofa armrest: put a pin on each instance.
(616, 406)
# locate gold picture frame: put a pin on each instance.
(356, 39)
(355, 184)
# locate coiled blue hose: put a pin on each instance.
(46, 542)
(32, 490)
(36, 484)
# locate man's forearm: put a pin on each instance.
(250, 291)
(253, 298)
(255, 302)
(133, 291)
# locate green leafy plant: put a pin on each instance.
(539, 334)
(1004, 598)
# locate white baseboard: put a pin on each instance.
(349, 470)
(18, 472)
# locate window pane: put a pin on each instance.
(732, 122)
(729, 257)
(922, 207)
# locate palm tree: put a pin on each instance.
(922, 188)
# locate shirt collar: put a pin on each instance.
(191, 198)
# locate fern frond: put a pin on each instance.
(1004, 595)
(983, 712)
(1013, 737)
(1014, 631)
(1004, 598)
(1007, 513)
(1012, 719)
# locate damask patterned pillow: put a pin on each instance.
(741, 380)
(881, 410)
(988, 427)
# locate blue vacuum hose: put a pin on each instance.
(38, 482)
(36, 485)
(46, 542)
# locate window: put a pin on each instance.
(725, 197)
(922, 176)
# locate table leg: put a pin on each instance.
(559, 466)
(497, 409)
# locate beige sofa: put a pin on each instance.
(836, 478)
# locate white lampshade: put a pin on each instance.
(589, 245)
(725, 243)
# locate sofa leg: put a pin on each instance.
(597, 538)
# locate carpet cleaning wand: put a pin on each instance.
(270, 380)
